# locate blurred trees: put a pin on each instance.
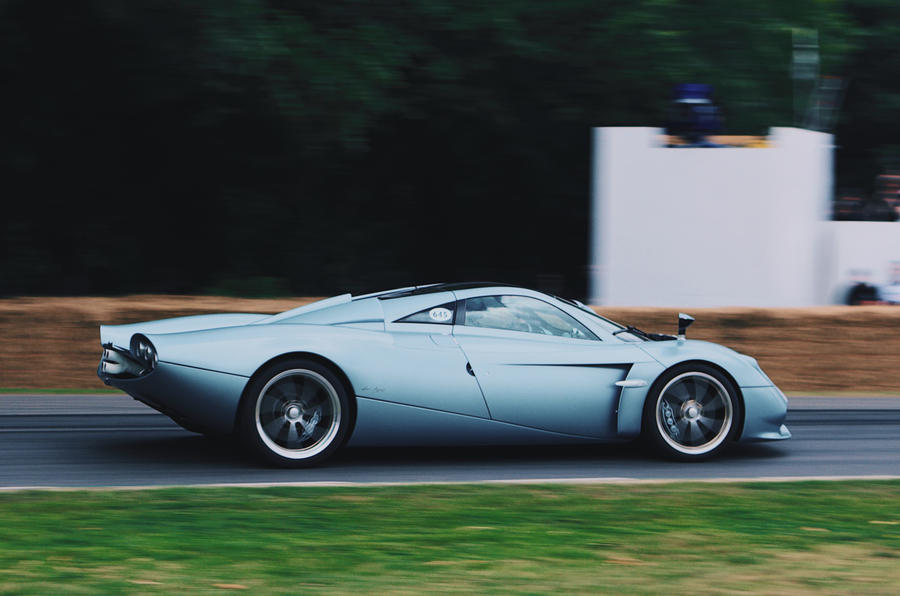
(313, 147)
(868, 132)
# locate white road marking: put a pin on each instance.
(624, 481)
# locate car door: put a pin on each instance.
(539, 367)
(422, 365)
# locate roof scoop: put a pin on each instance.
(684, 321)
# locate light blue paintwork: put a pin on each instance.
(411, 382)
(120, 335)
(743, 369)
(539, 381)
(631, 401)
(198, 399)
(397, 424)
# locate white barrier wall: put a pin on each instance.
(697, 227)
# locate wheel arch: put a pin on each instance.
(739, 418)
(318, 358)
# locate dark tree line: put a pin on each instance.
(256, 146)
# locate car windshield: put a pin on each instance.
(620, 331)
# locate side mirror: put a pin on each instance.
(684, 321)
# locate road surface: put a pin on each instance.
(111, 440)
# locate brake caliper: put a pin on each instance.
(669, 418)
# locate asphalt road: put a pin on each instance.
(111, 440)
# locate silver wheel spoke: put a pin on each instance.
(694, 390)
(708, 422)
(707, 394)
(705, 430)
(274, 426)
(694, 413)
(295, 388)
(688, 432)
(679, 392)
(305, 402)
(713, 406)
(310, 389)
(277, 392)
(292, 437)
(270, 402)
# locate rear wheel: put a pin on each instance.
(692, 412)
(295, 413)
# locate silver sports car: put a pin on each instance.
(442, 364)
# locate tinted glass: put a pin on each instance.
(521, 313)
(438, 315)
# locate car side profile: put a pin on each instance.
(442, 364)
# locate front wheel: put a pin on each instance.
(295, 413)
(692, 413)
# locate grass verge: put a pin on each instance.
(812, 537)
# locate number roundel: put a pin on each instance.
(440, 314)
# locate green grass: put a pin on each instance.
(813, 537)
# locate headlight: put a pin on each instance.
(144, 351)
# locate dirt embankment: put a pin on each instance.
(54, 342)
(48, 343)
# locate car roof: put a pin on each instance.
(433, 289)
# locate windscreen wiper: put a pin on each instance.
(643, 334)
(633, 330)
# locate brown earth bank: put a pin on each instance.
(48, 343)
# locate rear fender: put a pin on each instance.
(120, 335)
(243, 350)
(324, 362)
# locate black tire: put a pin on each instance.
(294, 413)
(692, 412)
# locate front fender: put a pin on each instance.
(743, 369)
(630, 412)
(666, 354)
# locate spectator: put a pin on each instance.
(893, 201)
(693, 115)
(878, 209)
(887, 188)
(849, 207)
(882, 205)
(891, 292)
(862, 291)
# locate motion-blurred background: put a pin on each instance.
(259, 147)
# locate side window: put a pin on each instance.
(521, 313)
(436, 315)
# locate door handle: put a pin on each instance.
(469, 369)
